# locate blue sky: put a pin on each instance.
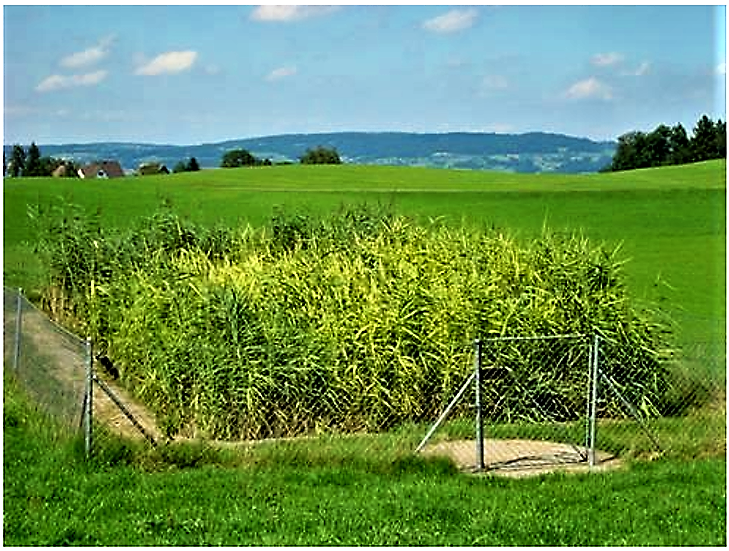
(196, 74)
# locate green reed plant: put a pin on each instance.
(356, 322)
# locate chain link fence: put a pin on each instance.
(518, 404)
(50, 362)
(56, 369)
(536, 403)
(681, 404)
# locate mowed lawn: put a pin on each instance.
(670, 222)
(360, 494)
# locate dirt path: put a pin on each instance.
(108, 413)
(53, 368)
(519, 458)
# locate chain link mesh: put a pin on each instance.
(534, 403)
(52, 366)
(50, 362)
(538, 402)
(687, 387)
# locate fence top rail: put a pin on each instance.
(535, 337)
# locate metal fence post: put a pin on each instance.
(588, 396)
(593, 401)
(480, 465)
(18, 328)
(88, 413)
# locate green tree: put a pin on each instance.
(631, 152)
(17, 161)
(680, 146)
(703, 141)
(321, 156)
(670, 146)
(237, 158)
(193, 166)
(189, 166)
(48, 165)
(657, 146)
(33, 164)
(720, 140)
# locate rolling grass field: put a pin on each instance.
(671, 223)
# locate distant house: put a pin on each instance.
(60, 171)
(104, 170)
(148, 169)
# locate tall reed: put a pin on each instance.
(359, 321)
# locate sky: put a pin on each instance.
(185, 74)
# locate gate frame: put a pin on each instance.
(478, 372)
(594, 375)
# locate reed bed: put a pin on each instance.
(356, 322)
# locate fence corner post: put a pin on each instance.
(480, 464)
(88, 412)
(593, 401)
(18, 330)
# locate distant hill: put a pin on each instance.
(531, 152)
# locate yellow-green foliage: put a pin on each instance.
(356, 323)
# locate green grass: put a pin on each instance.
(370, 493)
(670, 221)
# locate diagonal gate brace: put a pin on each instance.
(632, 410)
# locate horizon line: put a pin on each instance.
(286, 134)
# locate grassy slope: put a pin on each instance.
(670, 221)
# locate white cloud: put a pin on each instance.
(89, 56)
(281, 72)
(60, 82)
(452, 21)
(270, 13)
(720, 69)
(640, 71)
(606, 59)
(168, 63)
(590, 88)
(495, 82)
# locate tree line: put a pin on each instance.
(189, 166)
(30, 162)
(242, 157)
(670, 146)
(663, 146)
